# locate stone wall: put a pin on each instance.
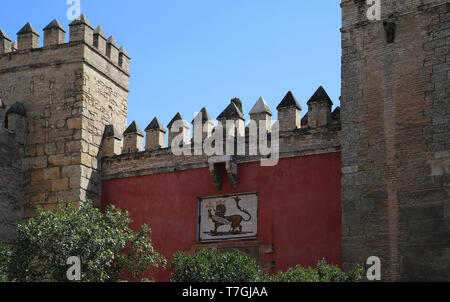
(105, 102)
(396, 139)
(11, 188)
(70, 91)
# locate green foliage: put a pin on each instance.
(210, 265)
(5, 256)
(106, 245)
(238, 103)
(323, 273)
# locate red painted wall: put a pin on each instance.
(299, 207)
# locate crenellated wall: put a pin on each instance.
(294, 139)
(71, 91)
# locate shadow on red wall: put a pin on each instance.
(299, 207)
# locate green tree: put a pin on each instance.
(104, 243)
(238, 103)
(5, 256)
(210, 265)
(323, 273)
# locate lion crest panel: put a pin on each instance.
(228, 217)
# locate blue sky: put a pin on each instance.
(187, 54)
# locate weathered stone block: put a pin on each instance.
(60, 184)
(50, 149)
(52, 173)
(37, 175)
(75, 123)
(38, 162)
(86, 160)
(59, 160)
(71, 171)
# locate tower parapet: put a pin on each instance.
(81, 30)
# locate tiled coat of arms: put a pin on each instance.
(228, 217)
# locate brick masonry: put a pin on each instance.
(396, 139)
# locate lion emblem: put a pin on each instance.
(235, 221)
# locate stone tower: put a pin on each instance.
(70, 91)
(396, 137)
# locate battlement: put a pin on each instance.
(101, 52)
(317, 132)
